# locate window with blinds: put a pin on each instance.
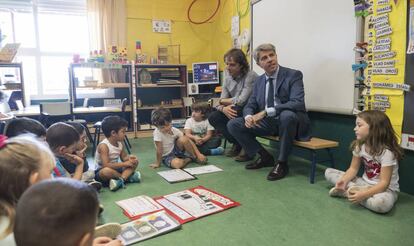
(50, 32)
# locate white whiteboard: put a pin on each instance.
(317, 38)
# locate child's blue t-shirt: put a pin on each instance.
(59, 170)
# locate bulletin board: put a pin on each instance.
(386, 36)
(408, 119)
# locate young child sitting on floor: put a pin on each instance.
(115, 166)
(173, 149)
(63, 140)
(24, 161)
(376, 148)
(58, 212)
(88, 175)
(199, 130)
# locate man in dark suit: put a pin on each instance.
(276, 107)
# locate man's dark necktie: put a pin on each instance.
(270, 94)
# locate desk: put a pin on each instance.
(35, 110)
(27, 111)
(88, 110)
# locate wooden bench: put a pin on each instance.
(313, 145)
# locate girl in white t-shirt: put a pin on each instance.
(376, 147)
(199, 130)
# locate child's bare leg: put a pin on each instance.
(184, 143)
(107, 173)
(179, 163)
(127, 172)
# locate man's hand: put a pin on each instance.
(249, 122)
(229, 111)
(253, 120)
(74, 159)
(258, 117)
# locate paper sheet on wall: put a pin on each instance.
(410, 49)
(389, 16)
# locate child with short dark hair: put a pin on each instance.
(199, 130)
(376, 148)
(63, 139)
(173, 149)
(115, 166)
(24, 161)
(58, 211)
(24, 125)
(88, 175)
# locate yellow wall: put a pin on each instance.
(222, 26)
(206, 42)
(194, 40)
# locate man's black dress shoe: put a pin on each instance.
(279, 171)
(261, 162)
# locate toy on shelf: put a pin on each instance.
(117, 55)
(139, 56)
(95, 56)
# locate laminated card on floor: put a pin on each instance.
(202, 169)
(194, 203)
(138, 206)
(176, 175)
(148, 226)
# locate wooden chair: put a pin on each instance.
(98, 129)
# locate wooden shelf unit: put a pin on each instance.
(155, 89)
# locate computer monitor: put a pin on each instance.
(206, 73)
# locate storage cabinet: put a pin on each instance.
(159, 85)
(12, 84)
(102, 85)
